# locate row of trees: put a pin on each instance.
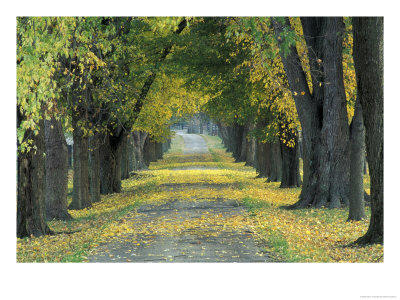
(90, 76)
(262, 80)
(270, 78)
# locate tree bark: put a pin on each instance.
(149, 151)
(225, 137)
(159, 150)
(80, 192)
(94, 169)
(131, 154)
(124, 158)
(356, 190)
(322, 114)
(274, 173)
(368, 59)
(251, 145)
(56, 171)
(237, 139)
(290, 165)
(263, 165)
(31, 212)
(243, 145)
(251, 152)
(110, 157)
(139, 139)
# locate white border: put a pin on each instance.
(197, 281)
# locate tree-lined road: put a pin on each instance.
(189, 230)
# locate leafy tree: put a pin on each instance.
(38, 48)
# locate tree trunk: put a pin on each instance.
(124, 158)
(146, 154)
(224, 136)
(110, 157)
(290, 165)
(244, 144)
(31, 212)
(131, 154)
(368, 59)
(251, 145)
(159, 150)
(356, 190)
(274, 161)
(94, 169)
(139, 138)
(251, 152)
(262, 160)
(322, 114)
(116, 144)
(107, 165)
(80, 192)
(237, 139)
(149, 151)
(56, 171)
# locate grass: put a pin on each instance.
(255, 204)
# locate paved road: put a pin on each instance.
(194, 144)
(195, 233)
(200, 230)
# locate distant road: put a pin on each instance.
(194, 143)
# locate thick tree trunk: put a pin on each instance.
(94, 167)
(290, 165)
(237, 139)
(117, 150)
(334, 155)
(110, 157)
(107, 165)
(263, 165)
(159, 150)
(368, 59)
(269, 161)
(31, 212)
(322, 115)
(356, 190)
(56, 171)
(131, 154)
(146, 152)
(274, 173)
(124, 158)
(165, 146)
(149, 151)
(251, 145)
(251, 152)
(80, 192)
(244, 144)
(139, 138)
(224, 136)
